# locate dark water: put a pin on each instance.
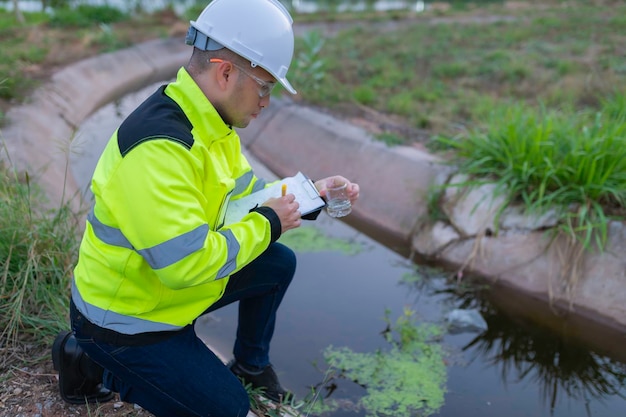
(514, 368)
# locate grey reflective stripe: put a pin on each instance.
(258, 185)
(231, 260)
(242, 182)
(159, 256)
(115, 321)
(175, 249)
(107, 234)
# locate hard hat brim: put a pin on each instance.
(285, 83)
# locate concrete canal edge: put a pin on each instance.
(521, 260)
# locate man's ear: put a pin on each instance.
(222, 75)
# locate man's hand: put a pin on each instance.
(287, 210)
(353, 187)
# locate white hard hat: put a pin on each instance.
(258, 30)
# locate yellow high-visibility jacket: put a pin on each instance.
(155, 253)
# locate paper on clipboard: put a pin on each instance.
(299, 185)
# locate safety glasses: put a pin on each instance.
(265, 87)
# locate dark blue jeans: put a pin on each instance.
(180, 376)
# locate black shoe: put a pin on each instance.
(265, 379)
(80, 378)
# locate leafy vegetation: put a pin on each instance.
(407, 380)
(311, 239)
(309, 68)
(574, 162)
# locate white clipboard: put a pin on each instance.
(299, 185)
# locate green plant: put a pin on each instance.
(16, 54)
(55, 3)
(433, 199)
(309, 69)
(8, 21)
(544, 159)
(108, 39)
(409, 379)
(402, 103)
(261, 406)
(311, 239)
(390, 139)
(86, 15)
(450, 69)
(38, 248)
(193, 11)
(364, 94)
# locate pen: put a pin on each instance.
(283, 190)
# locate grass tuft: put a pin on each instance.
(37, 252)
(575, 162)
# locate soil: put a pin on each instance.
(33, 391)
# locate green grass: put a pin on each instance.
(34, 44)
(438, 75)
(38, 249)
(15, 55)
(85, 15)
(574, 162)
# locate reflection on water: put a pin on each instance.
(557, 365)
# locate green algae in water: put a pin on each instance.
(408, 380)
(311, 239)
